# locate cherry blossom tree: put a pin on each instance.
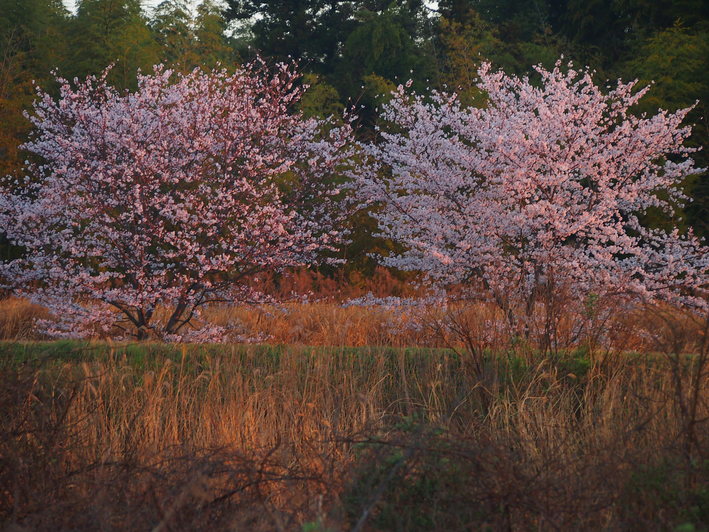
(540, 192)
(145, 206)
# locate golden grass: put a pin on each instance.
(609, 432)
(252, 438)
(17, 318)
(331, 324)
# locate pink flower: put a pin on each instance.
(168, 196)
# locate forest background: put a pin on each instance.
(353, 53)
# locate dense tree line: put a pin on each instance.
(355, 52)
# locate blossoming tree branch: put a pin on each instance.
(168, 196)
(542, 190)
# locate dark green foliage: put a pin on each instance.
(33, 41)
(309, 30)
(383, 45)
(171, 25)
(675, 61)
(111, 32)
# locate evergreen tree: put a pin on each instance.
(675, 61)
(112, 32)
(381, 45)
(209, 29)
(32, 42)
(316, 31)
(309, 30)
(516, 19)
(189, 41)
(172, 27)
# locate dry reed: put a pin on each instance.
(332, 324)
(471, 429)
(257, 438)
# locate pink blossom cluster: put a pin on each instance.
(168, 196)
(401, 315)
(437, 299)
(542, 189)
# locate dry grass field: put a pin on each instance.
(299, 435)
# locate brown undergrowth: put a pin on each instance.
(603, 425)
(152, 437)
(467, 326)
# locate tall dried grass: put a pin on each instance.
(471, 429)
(258, 438)
(17, 318)
(468, 326)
